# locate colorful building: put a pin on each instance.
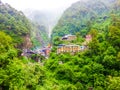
(73, 48)
(68, 48)
(46, 51)
(88, 38)
(69, 37)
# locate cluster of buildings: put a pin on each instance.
(62, 48)
(45, 51)
(72, 48)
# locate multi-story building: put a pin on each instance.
(68, 48)
(73, 48)
(69, 37)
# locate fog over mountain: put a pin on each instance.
(39, 4)
(83, 52)
(42, 12)
(46, 18)
(77, 17)
(45, 12)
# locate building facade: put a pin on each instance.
(68, 48)
(69, 37)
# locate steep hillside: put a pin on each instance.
(48, 19)
(15, 24)
(39, 35)
(26, 33)
(81, 15)
(95, 67)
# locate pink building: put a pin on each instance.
(88, 38)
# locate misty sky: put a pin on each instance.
(39, 4)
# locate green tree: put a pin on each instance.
(114, 83)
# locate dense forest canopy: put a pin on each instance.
(16, 24)
(97, 67)
(11, 22)
(81, 15)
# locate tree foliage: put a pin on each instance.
(97, 67)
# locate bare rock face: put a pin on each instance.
(27, 44)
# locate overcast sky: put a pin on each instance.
(39, 4)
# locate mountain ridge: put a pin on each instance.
(19, 27)
(80, 14)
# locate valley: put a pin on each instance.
(76, 49)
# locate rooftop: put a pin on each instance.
(68, 45)
(68, 35)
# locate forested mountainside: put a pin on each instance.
(16, 71)
(22, 30)
(95, 68)
(39, 35)
(81, 15)
(14, 23)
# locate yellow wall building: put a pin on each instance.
(68, 48)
